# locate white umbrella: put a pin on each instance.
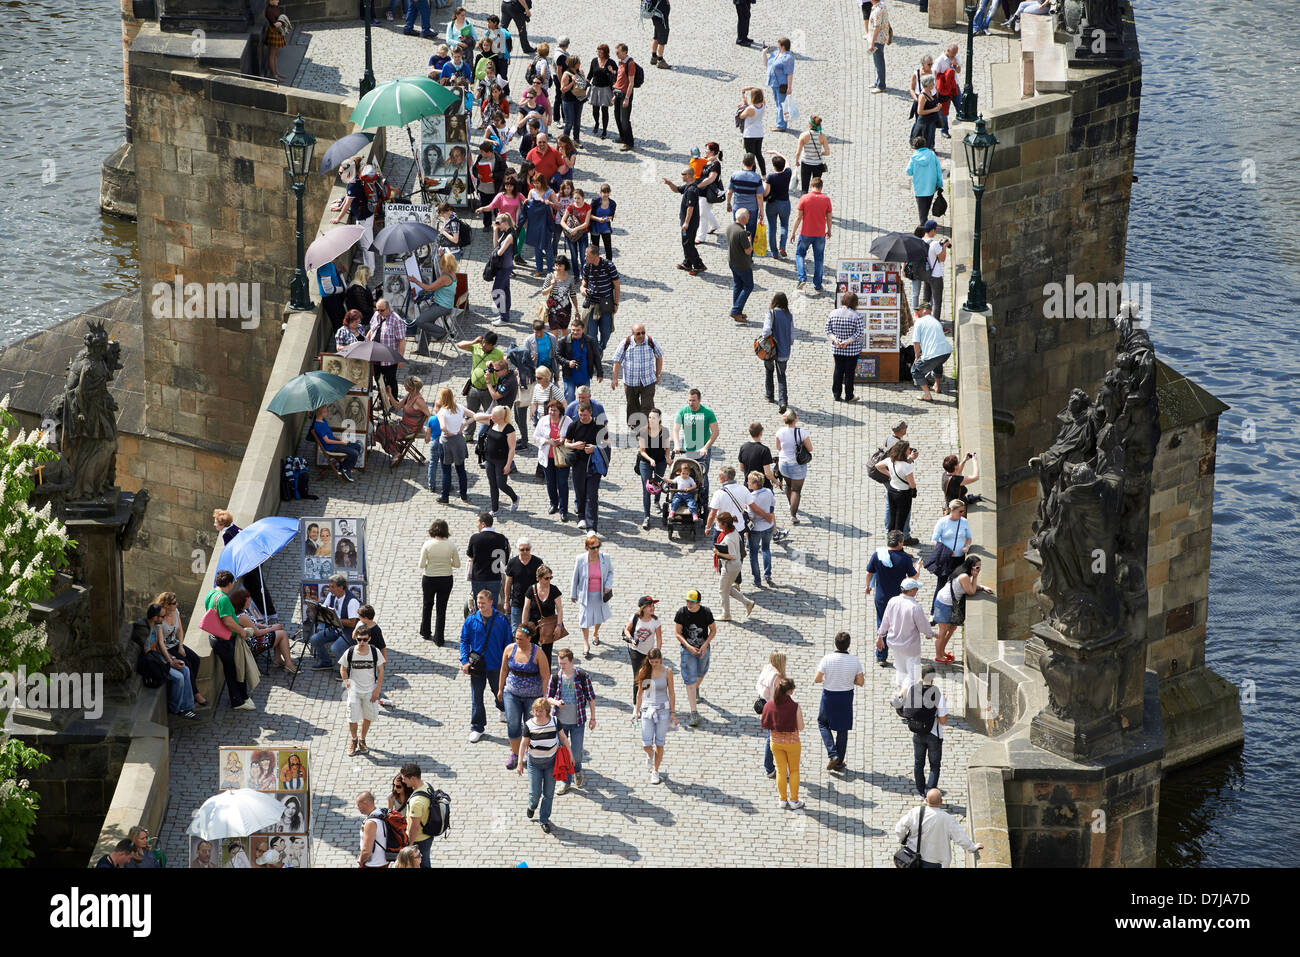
(235, 814)
(331, 246)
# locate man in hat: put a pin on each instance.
(901, 628)
(887, 569)
(695, 629)
(931, 349)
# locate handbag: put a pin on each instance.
(940, 204)
(598, 464)
(212, 624)
(477, 666)
(609, 593)
(492, 267)
(906, 858)
(801, 455)
(765, 348)
(760, 240)
(758, 706)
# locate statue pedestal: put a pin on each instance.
(1081, 719)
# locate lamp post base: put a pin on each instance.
(299, 300)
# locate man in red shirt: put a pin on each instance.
(545, 160)
(812, 224)
(624, 87)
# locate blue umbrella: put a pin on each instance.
(255, 544)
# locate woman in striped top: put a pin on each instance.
(541, 737)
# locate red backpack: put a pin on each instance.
(394, 838)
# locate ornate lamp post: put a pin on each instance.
(979, 157)
(969, 100)
(368, 80)
(298, 146)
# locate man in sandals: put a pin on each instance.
(362, 668)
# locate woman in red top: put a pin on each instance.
(576, 223)
(783, 718)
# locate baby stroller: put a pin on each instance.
(680, 519)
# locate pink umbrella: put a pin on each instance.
(331, 245)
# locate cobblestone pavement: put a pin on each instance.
(715, 806)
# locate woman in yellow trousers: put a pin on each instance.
(783, 719)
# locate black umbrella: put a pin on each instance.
(399, 239)
(371, 351)
(900, 248)
(339, 150)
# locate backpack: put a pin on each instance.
(918, 718)
(532, 72)
(639, 77)
(376, 186)
(877, 457)
(650, 341)
(394, 837)
(439, 823)
(152, 669)
(328, 280)
(294, 478)
(464, 234)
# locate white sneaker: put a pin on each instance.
(654, 777)
(563, 788)
(475, 737)
(498, 321)
(501, 716)
(783, 805)
(796, 805)
(246, 706)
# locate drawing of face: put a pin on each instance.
(325, 536)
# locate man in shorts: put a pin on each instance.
(659, 10)
(362, 668)
(695, 629)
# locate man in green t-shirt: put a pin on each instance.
(223, 648)
(695, 430)
(483, 353)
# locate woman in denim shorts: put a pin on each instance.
(656, 704)
(789, 437)
(524, 675)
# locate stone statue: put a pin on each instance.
(85, 416)
(1090, 545)
(1102, 15)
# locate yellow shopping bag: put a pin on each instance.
(760, 240)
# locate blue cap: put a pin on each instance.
(909, 584)
(695, 152)
(929, 225)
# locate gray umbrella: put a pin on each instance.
(399, 239)
(339, 150)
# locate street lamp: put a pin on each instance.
(979, 156)
(298, 146)
(969, 101)
(368, 81)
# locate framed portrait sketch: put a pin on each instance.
(204, 855)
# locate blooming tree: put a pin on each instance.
(33, 545)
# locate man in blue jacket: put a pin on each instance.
(487, 632)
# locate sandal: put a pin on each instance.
(945, 659)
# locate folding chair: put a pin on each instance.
(333, 460)
(265, 655)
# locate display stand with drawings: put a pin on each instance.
(282, 771)
(878, 286)
(352, 417)
(444, 157)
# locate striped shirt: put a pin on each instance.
(391, 332)
(745, 187)
(344, 338)
(600, 279)
(638, 361)
(846, 324)
(840, 668)
(542, 738)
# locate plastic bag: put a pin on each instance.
(760, 240)
(791, 109)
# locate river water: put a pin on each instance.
(1212, 229)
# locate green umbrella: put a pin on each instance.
(308, 392)
(402, 101)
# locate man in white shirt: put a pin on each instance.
(839, 673)
(362, 670)
(730, 497)
(925, 696)
(938, 831)
(901, 628)
(949, 61)
(932, 350)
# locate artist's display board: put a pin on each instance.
(285, 773)
(878, 286)
(444, 157)
(332, 545)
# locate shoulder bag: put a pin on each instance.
(905, 857)
(765, 347)
(940, 204)
(801, 455)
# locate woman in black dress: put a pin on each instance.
(602, 73)
(544, 610)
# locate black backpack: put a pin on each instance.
(876, 458)
(913, 708)
(439, 823)
(639, 78)
(152, 669)
(464, 234)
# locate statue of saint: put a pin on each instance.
(89, 417)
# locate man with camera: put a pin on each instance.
(934, 265)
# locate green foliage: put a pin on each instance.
(33, 545)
